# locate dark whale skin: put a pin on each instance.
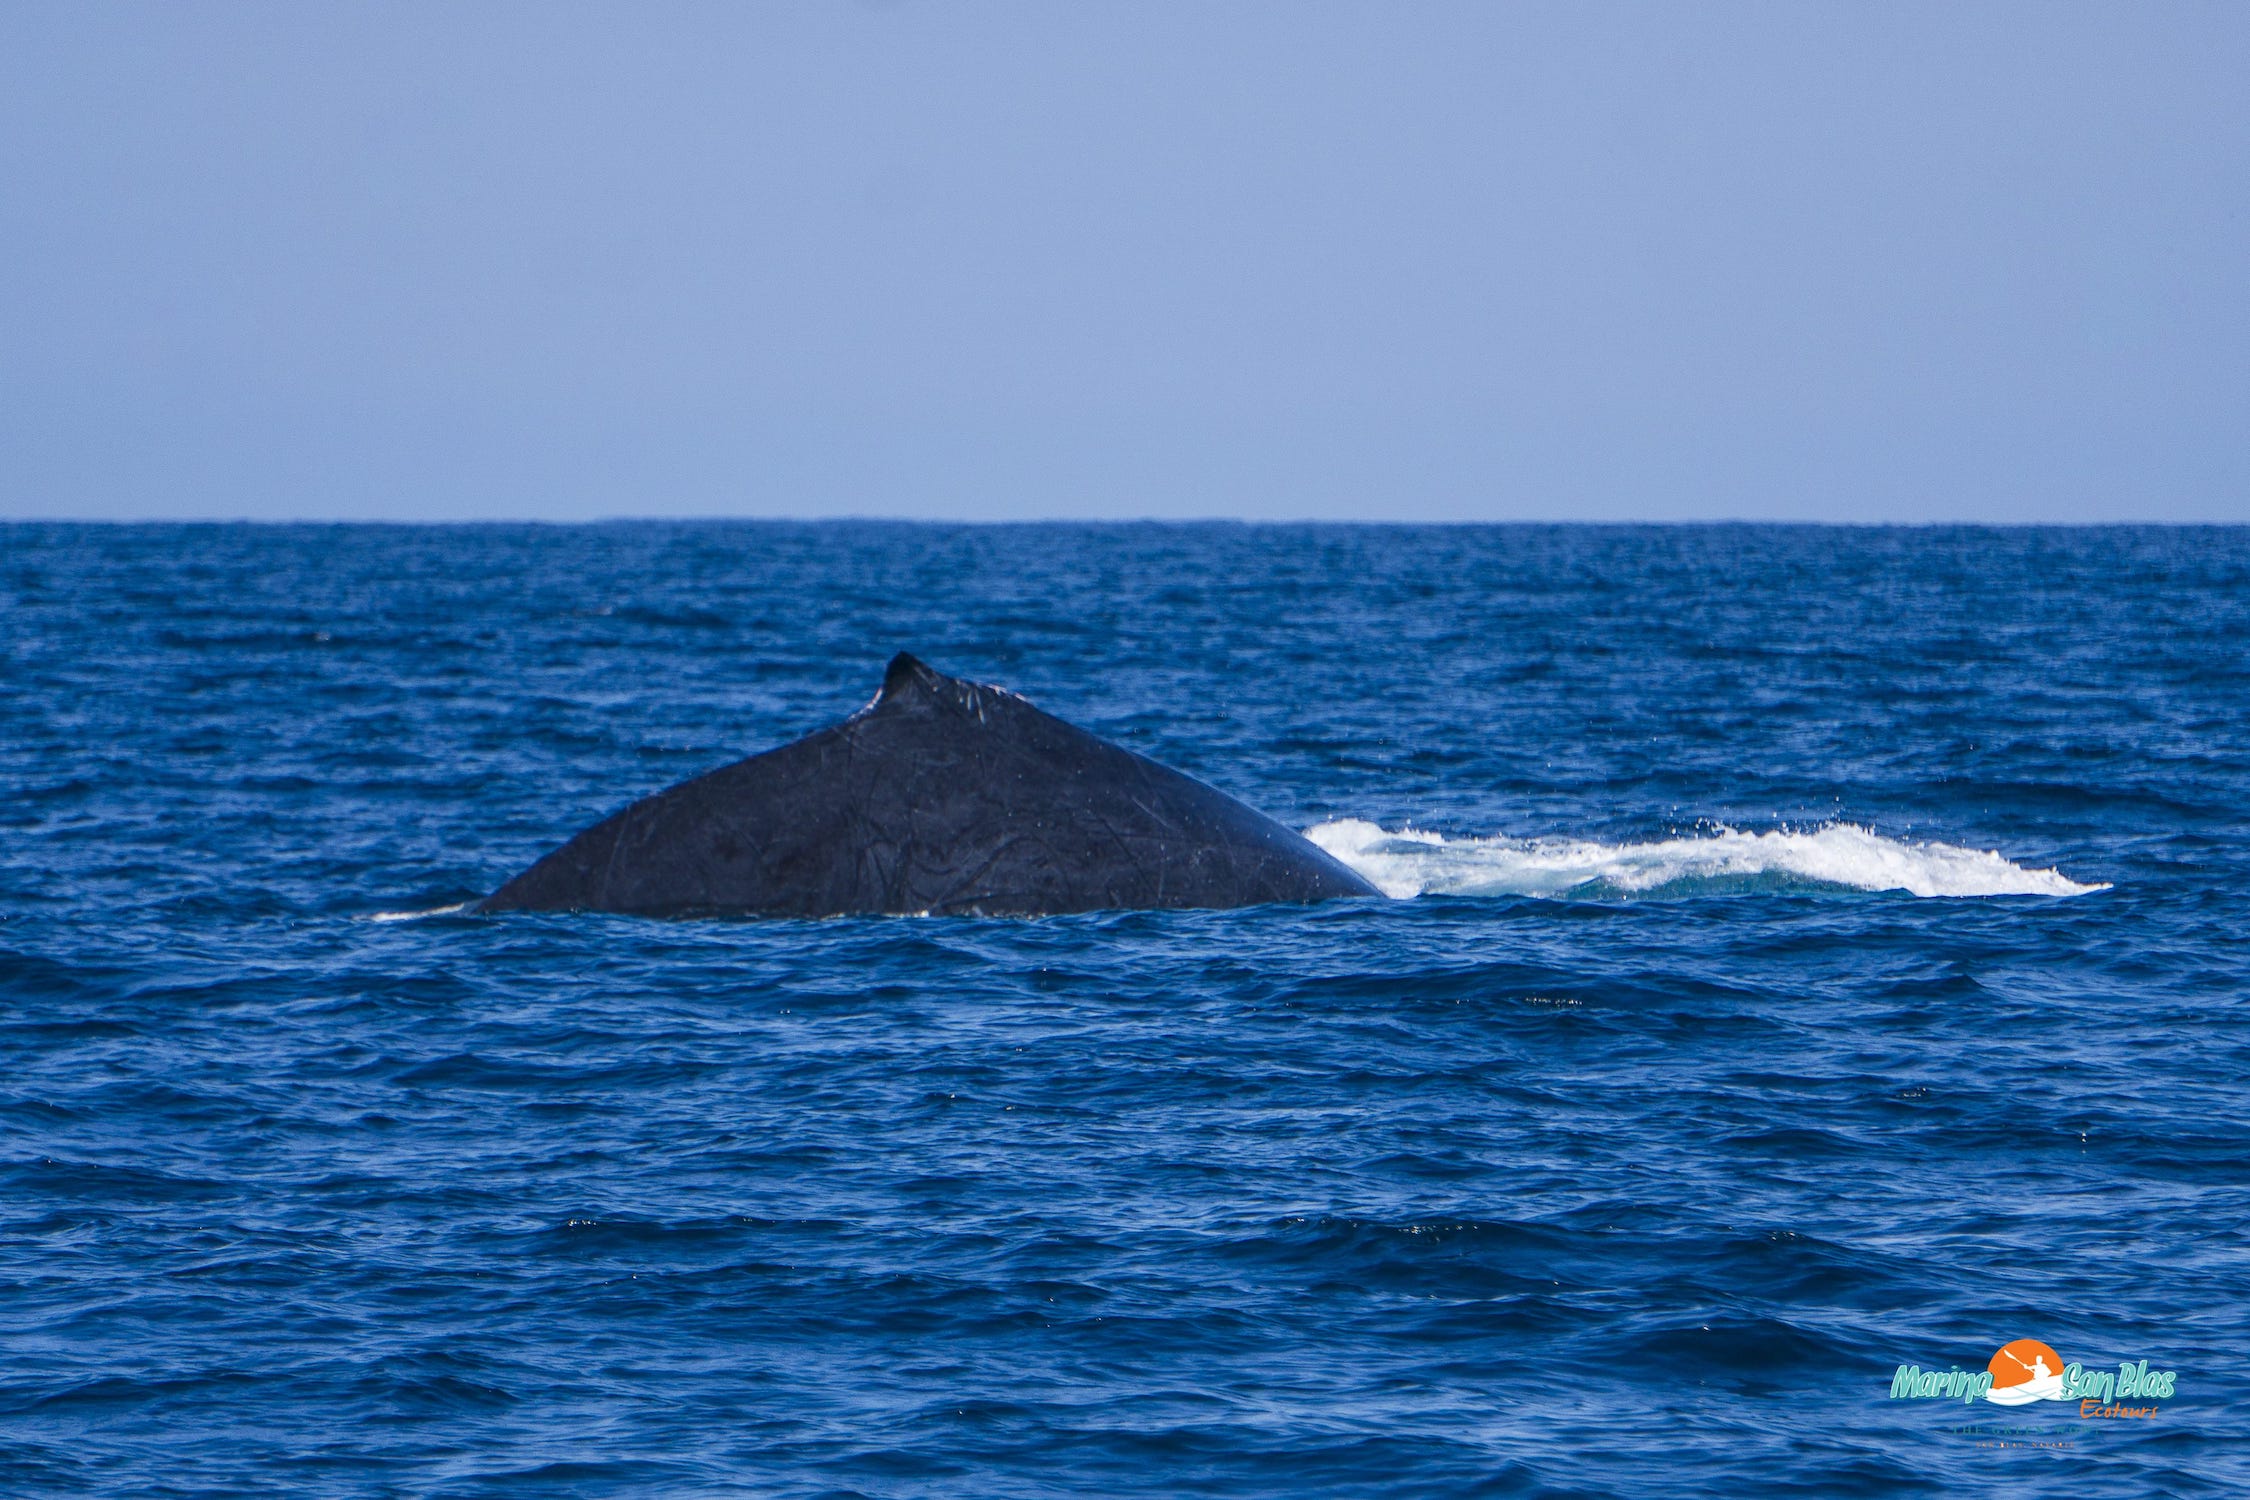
(940, 797)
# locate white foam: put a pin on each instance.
(416, 916)
(1413, 863)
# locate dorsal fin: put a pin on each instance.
(910, 679)
(905, 673)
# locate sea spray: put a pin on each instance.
(1410, 862)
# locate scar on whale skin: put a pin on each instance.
(942, 797)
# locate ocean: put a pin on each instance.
(1809, 956)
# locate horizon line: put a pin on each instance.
(881, 519)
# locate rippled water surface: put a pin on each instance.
(1811, 951)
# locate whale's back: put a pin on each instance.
(940, 796)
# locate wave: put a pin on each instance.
(1410, 863)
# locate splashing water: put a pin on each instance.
(1410, 862)
(416, 916)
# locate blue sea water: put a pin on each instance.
(1813, 951)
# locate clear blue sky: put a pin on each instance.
(1373, 261)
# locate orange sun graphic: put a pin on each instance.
(2025, 1370)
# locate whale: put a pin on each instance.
(941, 797)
